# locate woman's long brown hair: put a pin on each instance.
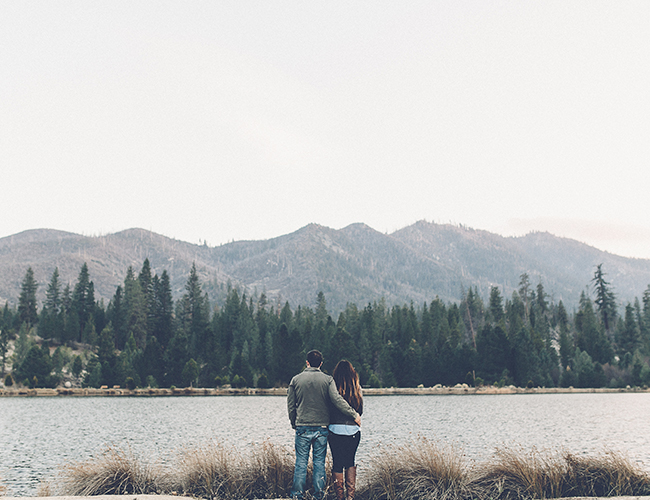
(347, 382)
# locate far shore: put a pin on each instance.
(438, 390)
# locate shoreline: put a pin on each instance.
(457, 390)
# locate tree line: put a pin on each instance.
(142, 337)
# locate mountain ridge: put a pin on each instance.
(355, 264)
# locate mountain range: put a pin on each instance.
(356, 264)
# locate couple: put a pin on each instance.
(325, 408)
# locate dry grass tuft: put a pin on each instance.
(270, 471)
(114, 472)
(219, 471)
(610, 474)
(420, 469)
(515, 474)
(44, 489)
(213, 470)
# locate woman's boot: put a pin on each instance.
(350, 481)
(337, 483)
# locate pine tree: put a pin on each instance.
(645, 315)
(51, 321)
(629, 338)
(540, 299)
(524, 293)
(494, 352)
(107, 357)
(196, 316)
(83, 299)
(567, 347)
(53, 294)
(190, 373)
(288, 349)
(36, 367)
(148, 290)
(116, 315)
(590, 335)
(497, 315)
(27, 301)
(136, 309)
(5, 333)
(525, 363)
(321, 331)
(176, 354)
(472, 308)
(153, 363)
(163, 310)
(605, 298)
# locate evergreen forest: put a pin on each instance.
(143, 338)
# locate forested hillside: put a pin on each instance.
(355, 264)
(144, 337)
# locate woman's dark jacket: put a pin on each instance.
(337, 417)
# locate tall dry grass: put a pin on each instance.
(44, 489)
(605, 475)
(219, 471)
(420, 469)
(516, 474)
(270, 471)
(212, 470)
(113, 472)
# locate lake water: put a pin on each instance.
(37, 435)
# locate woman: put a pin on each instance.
(345, 434)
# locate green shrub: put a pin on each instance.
(77, 365)
(263, 381)
(9, 380)
(374, 382)
(238, 382)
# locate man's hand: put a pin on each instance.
(358, 420)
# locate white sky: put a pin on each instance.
(233, 120)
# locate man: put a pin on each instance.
(309, 398)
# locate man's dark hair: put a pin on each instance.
(314, 358)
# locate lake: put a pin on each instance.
(40, 434)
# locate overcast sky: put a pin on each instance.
(220, 121)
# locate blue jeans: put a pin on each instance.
(306, 437)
